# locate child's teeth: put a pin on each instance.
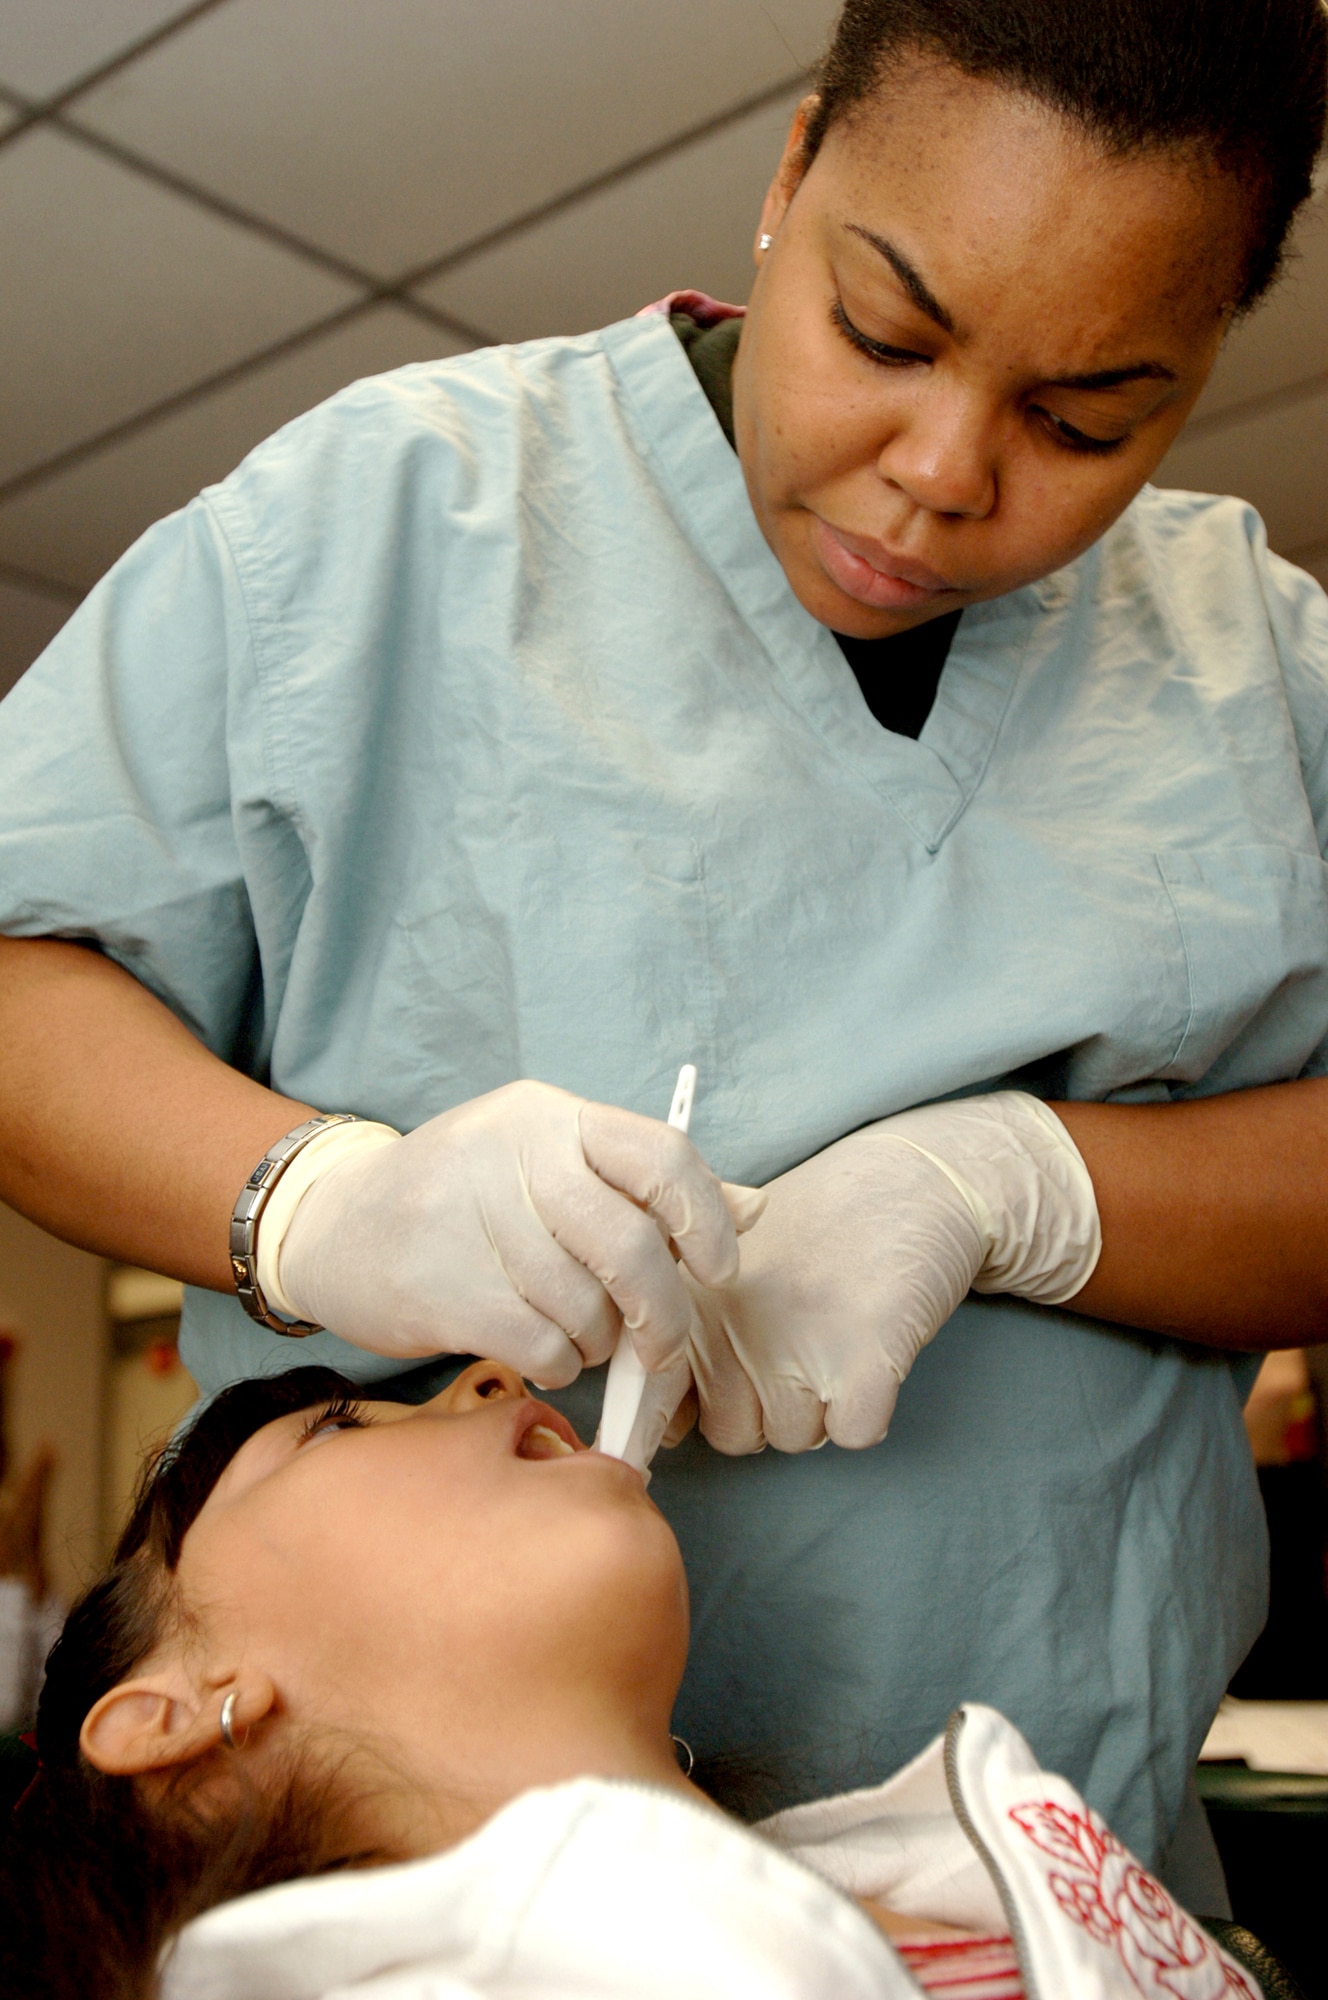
(560, 1445)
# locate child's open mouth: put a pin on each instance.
(541, 1442)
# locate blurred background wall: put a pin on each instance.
(53, 1307)
(212, 216)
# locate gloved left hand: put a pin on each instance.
(864, 1252)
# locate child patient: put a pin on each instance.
(417, 1665)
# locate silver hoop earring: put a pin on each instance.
(228, 1722)
(680, 1745)
(765, 242)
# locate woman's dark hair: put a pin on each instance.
(1241, 82)
(93, 1878)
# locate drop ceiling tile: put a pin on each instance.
(46, 44)
(1278, 459)
(391, 133)
(117, 293)
(689, 221)
(1286, 339)
(73, 525)
(28, 623)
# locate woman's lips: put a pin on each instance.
(868, 573)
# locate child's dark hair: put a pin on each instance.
(1242, 82)
(95, 1876)
(93, 1879)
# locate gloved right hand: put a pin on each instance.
(528, 1225)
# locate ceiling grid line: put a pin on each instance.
(402, 289)
(399, 290)
(376, 290)
(433, 267)
(37, 111)
(216, 204)
(573, 260)
(614, 176)
(196, 392)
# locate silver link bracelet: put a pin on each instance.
(248, 1213)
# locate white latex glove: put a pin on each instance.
(528, 1225)
(863, 1253)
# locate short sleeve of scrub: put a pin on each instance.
(134, 695)
(1298, 616)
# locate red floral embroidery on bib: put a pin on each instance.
(1099, 1885)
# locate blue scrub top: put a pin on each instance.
(471, 731)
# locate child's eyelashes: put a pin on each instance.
(341, 1414)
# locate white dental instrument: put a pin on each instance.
(627, 1378)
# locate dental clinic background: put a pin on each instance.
(214, 216)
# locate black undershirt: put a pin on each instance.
(898, 676)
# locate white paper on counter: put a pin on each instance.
(1270, 1736)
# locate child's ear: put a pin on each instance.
(161, 1719)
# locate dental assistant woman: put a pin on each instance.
(825, 698)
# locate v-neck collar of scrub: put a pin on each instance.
(929, 781)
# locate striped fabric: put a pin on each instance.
(980, 1968)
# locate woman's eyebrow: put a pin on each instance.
(908, 275)
(926, 302)
(1114, 378)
